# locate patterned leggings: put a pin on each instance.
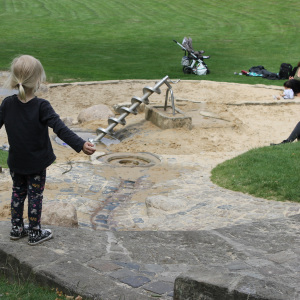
(33, 187)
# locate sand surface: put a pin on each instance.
(226, 117)
(227, 120)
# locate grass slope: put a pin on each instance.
(269, 172)
(100, 40)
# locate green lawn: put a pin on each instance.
(3, 158)
(270, 172)
(29, 291)
(100, 40)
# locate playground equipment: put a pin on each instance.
(136, 101)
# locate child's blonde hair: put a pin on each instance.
(26, 74)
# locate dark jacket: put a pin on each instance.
(27, 125)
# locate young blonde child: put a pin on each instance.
(26, 119)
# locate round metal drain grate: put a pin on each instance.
(142, 159)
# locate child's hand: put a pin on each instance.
(88, 148)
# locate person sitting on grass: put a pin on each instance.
(26, 119)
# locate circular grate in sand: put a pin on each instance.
(126, 159)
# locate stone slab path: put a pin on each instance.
(136, 242)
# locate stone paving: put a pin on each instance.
(189, 202)
(136, 247)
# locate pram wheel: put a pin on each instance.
(208, 71)
(187, 70)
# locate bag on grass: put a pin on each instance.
(201, 69)
(285, 71)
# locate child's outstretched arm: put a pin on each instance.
(88, 148)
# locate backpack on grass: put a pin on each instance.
(285, 71)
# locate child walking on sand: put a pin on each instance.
(26, 119)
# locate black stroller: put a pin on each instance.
(192, 61)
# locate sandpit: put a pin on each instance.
(227, 120)
(226, 117)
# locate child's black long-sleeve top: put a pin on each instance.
(27, 125)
